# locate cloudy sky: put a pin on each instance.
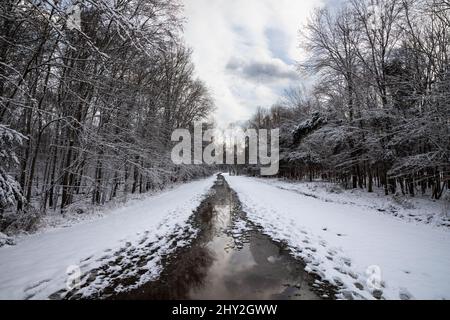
(246, 50)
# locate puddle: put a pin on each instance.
(223, 264)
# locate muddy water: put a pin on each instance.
(225, 264)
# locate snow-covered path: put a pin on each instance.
(358, 249)
(37, 266)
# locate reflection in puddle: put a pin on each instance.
(216, 267)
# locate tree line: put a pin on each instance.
(90, 92)
(378, 114)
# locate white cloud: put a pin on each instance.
(273, 71)
(259, 38)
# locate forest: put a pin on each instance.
(378, 113)
(89, 96)
(329, 121)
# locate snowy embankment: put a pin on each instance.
(38, 265)
(358, 249)
(419, 209)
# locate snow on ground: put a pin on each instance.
(5, 240)
(81, 211)
(420, 209)
(363, 252)
(40, 265)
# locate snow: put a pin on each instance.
(367, 245)
(39, 265)
(414, 209)
(365, 253)
(5, 240)
(83, 211)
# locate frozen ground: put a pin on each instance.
(81, 211)
(348, 241)
(42, 264)
(367, 245)
(419, 209)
